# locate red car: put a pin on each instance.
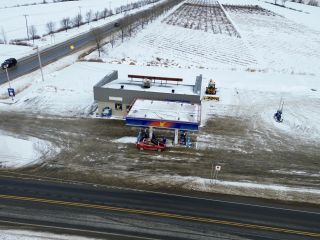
(151, 145)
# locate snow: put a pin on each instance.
(67, 92)
(125, 140)
(11, 234)
(12, 20)
(17, 152)
(269, 43)
(162, 110)
(203, 182)
(309, 15)
(157, 86)
(8, 51)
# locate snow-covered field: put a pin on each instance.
(268, 43)
(12, 20)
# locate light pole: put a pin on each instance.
(40, 64)
(8, 76)
(26, 15)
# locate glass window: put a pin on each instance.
(118, 106)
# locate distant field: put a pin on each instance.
(202, 15)
(280, 43)
(204, 34)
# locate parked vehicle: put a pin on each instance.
(106, 112)
(150, 145)
(10, 62)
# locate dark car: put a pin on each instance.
(10, 62)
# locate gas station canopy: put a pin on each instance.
(164, 114)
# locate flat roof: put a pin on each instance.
(165, 111)
(155, 86)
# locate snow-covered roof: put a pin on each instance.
(157, 86)
(165, 111)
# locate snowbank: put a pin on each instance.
(12, 234)
(17, 152)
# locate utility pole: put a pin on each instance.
(8, 77)
(26, 15)
(40, 64)
(79, 9)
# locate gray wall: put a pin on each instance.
(109, 78)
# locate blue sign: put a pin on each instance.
(11, 92)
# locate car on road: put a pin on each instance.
(10, 62)
(150, 145)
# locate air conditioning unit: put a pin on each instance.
(146, 83)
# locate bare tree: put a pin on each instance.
(313, 3)
(33, 32)
(50, 27)
(65, 23)
(89, 16)
(96, 32)
(105, 13)
(96, 15)
(4, 36)
(77, 21)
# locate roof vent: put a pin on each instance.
(146, 83)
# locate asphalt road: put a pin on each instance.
(146, 211)
(51, 54)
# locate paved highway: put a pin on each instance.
(51, 54)
(153, 215)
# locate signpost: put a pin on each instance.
(214, 171)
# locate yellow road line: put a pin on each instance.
(161, 214)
